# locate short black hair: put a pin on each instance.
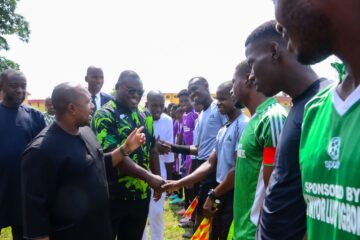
(153, 94)
(64, 94)
(4, 75)
(243, 69)
(265, 31)
(126, 76)
(183, 92)
(227, 85)
(201, 80)
(170, 105)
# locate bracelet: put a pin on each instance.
(122, 151)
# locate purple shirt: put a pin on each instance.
(189, 126)
(175, 129)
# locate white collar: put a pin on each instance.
(343, 106)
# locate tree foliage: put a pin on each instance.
(11, 23)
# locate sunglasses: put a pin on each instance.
(133, 91)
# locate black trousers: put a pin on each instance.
(223, 217)
(17, 233)
(128, 218)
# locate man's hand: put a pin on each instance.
(155, 182)
(134, 140)
(163, 147)
(208, 208)
(157, 196)
(171, 186)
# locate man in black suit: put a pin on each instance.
(95, 79)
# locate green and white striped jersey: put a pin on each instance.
(262, 131)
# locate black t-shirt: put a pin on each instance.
(284, 211)
(64, 186)
(18, 126)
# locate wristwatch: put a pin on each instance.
(211, 194)
(122, 151)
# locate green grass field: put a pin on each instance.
(172, 229)
(171, 222)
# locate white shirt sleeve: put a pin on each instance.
(168, 137)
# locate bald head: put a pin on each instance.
(225, 86)
(65, 94)
(199, 81)
(128, 76)
(155, 103)
(8, 74)
(155, 94)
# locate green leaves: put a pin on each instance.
(11, 23)
(6, 64)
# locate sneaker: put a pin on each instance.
(176, 201)
(188, 224)
(181, 212)
(188, 234)
(184, 220)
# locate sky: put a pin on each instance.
(166, 42)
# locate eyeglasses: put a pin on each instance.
(132, 91)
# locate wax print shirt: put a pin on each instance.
(283, 215)
(209, 123)
(261, 133)
(64, 188)
(330, 163)
(226, 144)
(48, 118)
(112, 124)
(18, 126)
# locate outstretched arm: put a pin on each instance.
(199, 174)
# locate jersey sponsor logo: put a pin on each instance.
(187, 129)
(334, 204)
(241, 152)
(334, 153)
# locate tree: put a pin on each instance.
(11, 23)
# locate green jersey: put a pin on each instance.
(330, 163)
(112, 124)
(262, 132)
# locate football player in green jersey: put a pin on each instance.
(256, 151)
(274, 69)
(329, 151)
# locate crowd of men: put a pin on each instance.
(100, 167)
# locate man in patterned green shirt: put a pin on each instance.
(129, 196)
(49, 114)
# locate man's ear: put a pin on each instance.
(71, 107)
(275, 51)
(86, 80)
(248, 82)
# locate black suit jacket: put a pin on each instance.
(104, 98)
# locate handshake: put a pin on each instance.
(160, 185)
